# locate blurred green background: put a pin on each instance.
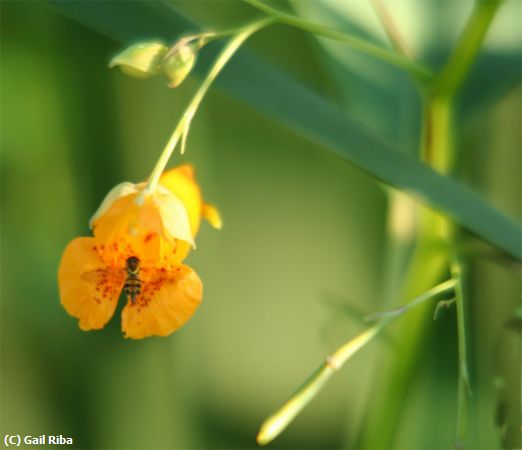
(302, 256)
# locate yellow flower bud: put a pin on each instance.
(179, 61)
(141, 60)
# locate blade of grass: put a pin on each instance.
(269, 91)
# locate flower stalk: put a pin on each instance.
(183, 126)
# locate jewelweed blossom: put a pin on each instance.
(139, 242)
(159, 227)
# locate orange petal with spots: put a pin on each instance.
(112, 227)
(116, 243)
(148, 227)
(168, 299)
(89, 290)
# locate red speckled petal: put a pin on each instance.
(168, 299)
(88, 289)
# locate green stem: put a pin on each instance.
(183, 125)
(443, 288)
(439, 151)
(449, 80)
(442, 156)
(417, 71)
(463, 389)
(277, 422)
(394, 377)
(395, 37)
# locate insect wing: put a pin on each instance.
(98, 276)
(88, 290)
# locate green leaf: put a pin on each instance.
(492, 76)
(263, 87)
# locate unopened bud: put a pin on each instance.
(141, 60)
(180, 60)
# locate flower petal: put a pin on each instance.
(180, 182)
(88, 289)
(174, 218)
(211, 213)
(117, 192)
(119, 233)
(168, 299)
(115, 220)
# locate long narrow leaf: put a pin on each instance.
(253, 81)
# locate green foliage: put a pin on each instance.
(298, 222)
(309, 115)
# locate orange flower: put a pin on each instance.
(158, 226)
(139, 242)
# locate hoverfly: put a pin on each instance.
(130, 277)
(132, 285)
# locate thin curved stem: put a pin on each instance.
(184, 124)
(417, 71)
(443, 288)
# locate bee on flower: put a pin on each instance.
(140, 240)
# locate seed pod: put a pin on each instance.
(141, 60)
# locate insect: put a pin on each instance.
(159, 300)
(132, 285)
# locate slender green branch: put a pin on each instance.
(417, 71)
(395, 37)
(463, 389)
(183, 125)
(276, 423)
(442, 304)
(443, 288)
(457, 67)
